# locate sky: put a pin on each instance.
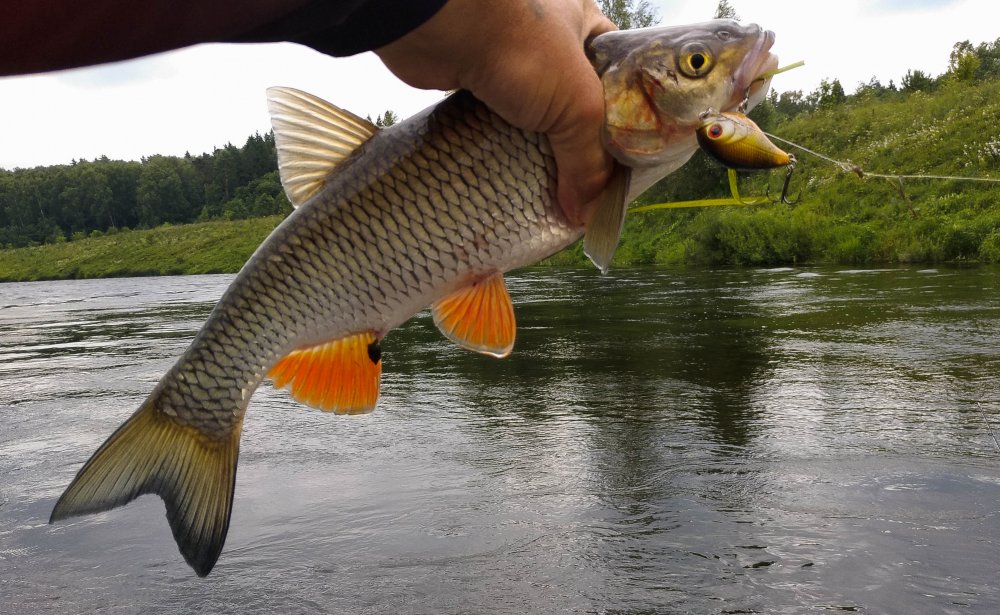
(199, 98)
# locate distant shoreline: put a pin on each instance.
(208, 247)
(224, 246)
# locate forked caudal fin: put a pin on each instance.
(150, 453)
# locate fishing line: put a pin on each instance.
(845, 166)
(850, 167)
(988, 426)
(894, 178)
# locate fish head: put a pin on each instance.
(659, 82)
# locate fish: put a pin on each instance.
(737, 142)
(431, 211)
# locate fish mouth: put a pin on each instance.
(749, 79)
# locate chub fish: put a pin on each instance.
(431, 211)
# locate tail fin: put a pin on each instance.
(150, 453)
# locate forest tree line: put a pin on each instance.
(65, 202)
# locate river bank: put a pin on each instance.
(760, 236)
(209, 247)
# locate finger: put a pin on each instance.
(595, 22)
(583, 165)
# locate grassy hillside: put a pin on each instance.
(210, 247)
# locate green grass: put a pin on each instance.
(210, 247)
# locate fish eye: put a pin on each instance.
(715, 131)
(695, 60)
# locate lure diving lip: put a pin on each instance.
(738, 143)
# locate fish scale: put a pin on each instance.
(428, 212)
(371, 290)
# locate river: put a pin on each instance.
(661, 441)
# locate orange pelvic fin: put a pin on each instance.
(341, 376)
(479, 317)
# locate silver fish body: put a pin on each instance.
(429, 212)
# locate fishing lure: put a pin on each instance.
(738, 143)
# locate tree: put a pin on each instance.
(790, 104)
(164, 192)
(226, 169)
(49, 203)
(765, 114)
(828, 94)
(831, 93)
(964, 62)
(872, 89)
(628, 14)
(258, 157)
(86, 199)
(989, 60)
(386, 119)
(917, 81)
(122, 178)
(726, 11)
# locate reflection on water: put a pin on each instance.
(773, 441)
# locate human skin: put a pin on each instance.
(525, 59)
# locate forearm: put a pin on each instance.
(347, 27)
(45, 35)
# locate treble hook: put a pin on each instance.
(784, 189)
(742, 108)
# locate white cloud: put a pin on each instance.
(909, 5)
(188, 100)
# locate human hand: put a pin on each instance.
(525, 59)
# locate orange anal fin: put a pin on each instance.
(341, 376)
(479, 317)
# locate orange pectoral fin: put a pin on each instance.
(341, 376)
(479, 317)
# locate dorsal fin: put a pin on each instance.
(479, 317)
(312, 137)
(339, 376)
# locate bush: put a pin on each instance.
(989, 249)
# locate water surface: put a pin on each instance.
(661, 441)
